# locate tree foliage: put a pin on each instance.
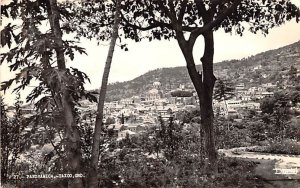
(223, 90)
(37, 52)
(32, 54)
(13, 140)
(152, 19)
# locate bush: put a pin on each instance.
(138, 170)
(285, 147)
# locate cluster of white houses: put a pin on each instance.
(142, 112)
(135, 114)
(244, 99)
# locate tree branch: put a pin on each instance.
(215, 3)
(213, 23)
(201, 8)
(149, 27)
(182, 11)
(154, 25)
(172, 11)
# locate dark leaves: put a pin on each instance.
(91, 97)
(6, 84)
(69, 49)
(70, 53)
(223, 90)
(36, 92)
(17, 64)
(44, 103)
(81, 76)
(7, 34)
(124, 47)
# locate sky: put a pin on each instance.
(145, 56)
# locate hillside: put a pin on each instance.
(270, 66)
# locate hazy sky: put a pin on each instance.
(145, 56)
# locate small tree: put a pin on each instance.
(93, 182)
(12, 142)
(5, 142)
(277, 113)
(224, 90)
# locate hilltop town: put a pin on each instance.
(163, 100)
(250, 84)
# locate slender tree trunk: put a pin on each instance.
(93, 174)
(204, 84)
(71, 131)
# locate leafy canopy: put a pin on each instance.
(166, 19)
(32, 46)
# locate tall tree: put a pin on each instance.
(186, 20)
(93, 175)
(71, 130)
(41, 55)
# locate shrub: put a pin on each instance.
(285, 147)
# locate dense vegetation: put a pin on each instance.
(164, 157)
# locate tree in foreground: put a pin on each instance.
(186, 21)
(93, 174)
(37, 51)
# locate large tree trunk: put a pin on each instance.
(206, 96)
(72, 137)
(93, 174)
(204, 84)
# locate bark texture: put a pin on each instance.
(204, 83)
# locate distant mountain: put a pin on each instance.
(270, 66)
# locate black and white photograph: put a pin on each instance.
(150, 93)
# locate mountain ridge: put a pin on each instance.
(266, 64)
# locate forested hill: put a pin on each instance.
(270, 66)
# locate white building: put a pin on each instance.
(258, 67)
(123, 134)
(267, 94)
(233, 104)
(253, 105)
(246, 98)
(268, 85)
(240, 86)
